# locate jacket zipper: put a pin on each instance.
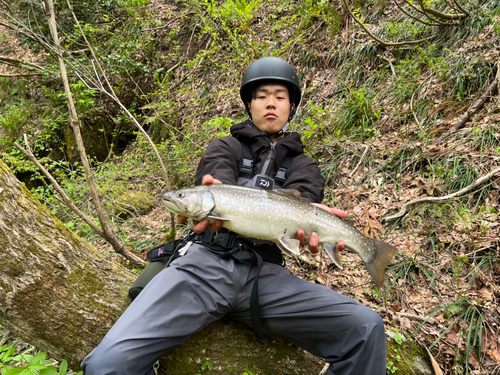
(270, 157)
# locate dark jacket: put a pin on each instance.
(224, 157)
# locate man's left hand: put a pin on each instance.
(313, 238)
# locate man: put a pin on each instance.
(202, 286)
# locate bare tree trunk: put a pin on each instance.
(56, 291)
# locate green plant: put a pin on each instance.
(391, 365)
(207, 365)
(467, 317)
(356, 117)
(25, 363)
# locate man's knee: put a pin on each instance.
(106, 361)
(370, 322)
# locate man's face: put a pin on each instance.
(271, 107)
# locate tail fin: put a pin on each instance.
(382, 256)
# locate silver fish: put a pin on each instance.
(276, 216)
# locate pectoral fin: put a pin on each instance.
(332, 251)
(215, 217)
(289, 245)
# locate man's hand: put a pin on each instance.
(201, 226)
(313, 238)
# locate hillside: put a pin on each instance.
(401, 102)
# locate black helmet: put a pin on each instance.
(270, 69)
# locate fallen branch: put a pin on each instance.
(67, 201)
(490, 91)
(12, 61)
(380, 41)
(459, 193)
(426, 319)
(20, 75)
(359, 163)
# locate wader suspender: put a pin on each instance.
(247, 169)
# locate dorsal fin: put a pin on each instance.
(292, 193)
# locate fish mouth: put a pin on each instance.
(175, 205)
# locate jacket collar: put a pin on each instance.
(247, 132)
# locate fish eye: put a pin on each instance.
(180, 195)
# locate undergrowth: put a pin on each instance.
(369, 116)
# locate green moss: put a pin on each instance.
(134, 202)
(231, 346)
(405, 357)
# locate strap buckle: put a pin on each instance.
(225, 240)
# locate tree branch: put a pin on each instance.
(65, 199)
(444, 16)
(459, 193)
(415, 18)
(132, 118)
(108, 233)
(18, 62)
(478, 104)
(380, 41)
(426, 14)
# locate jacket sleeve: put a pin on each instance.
(222, 159)
(305, 176)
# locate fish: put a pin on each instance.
(276, 215)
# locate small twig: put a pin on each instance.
(490, 91)
(462, 9)
(325, 369)
(459, 193)
(64, 197)
(413, 112)
(390, 64)
(359, 163)
(191, 39)
(426, 319)
(162, 26)
(380, 41)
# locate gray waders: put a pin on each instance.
(201, 287)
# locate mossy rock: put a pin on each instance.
(134, 203)
(405, 357)
(230, 348)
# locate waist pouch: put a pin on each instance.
(226, 245)
(159, 258)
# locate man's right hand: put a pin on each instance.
(201, 226)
